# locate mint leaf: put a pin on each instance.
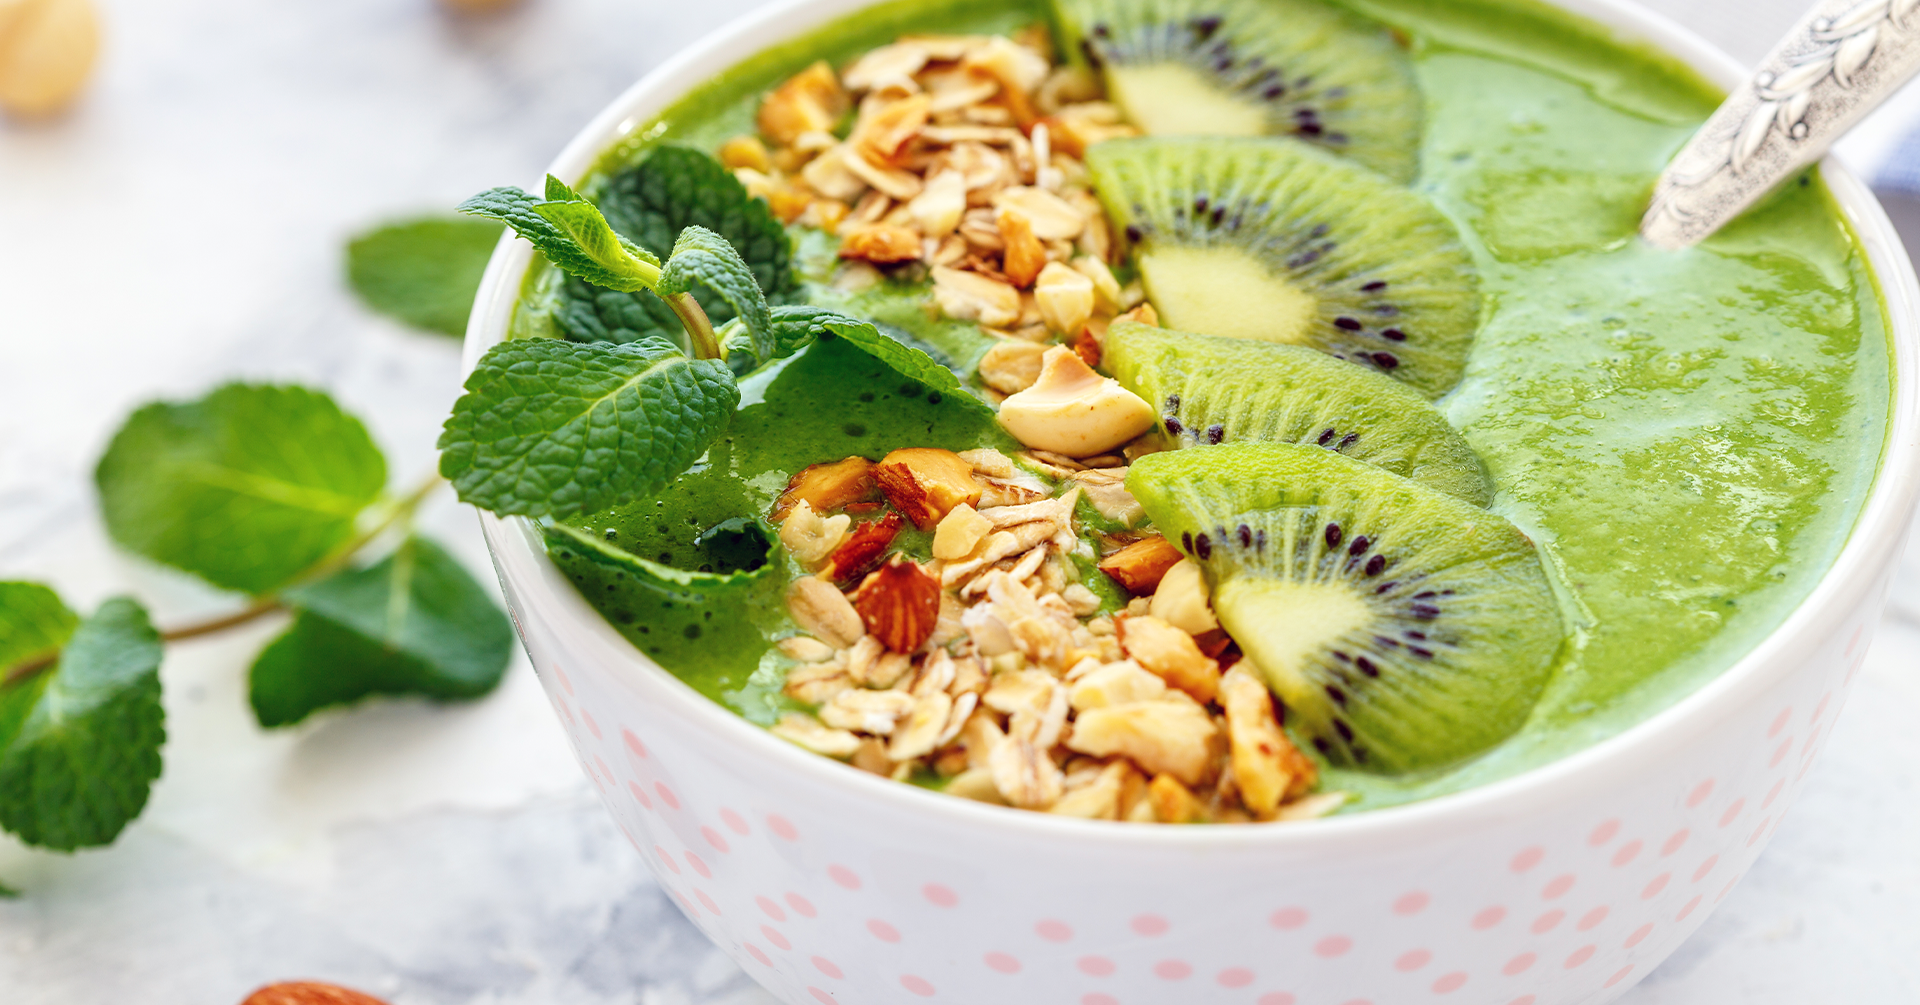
(551, 428)
(796, 326)
(414, 623)
(423, 272)
(247, 487)
(80, 742)
(676, 187)
(33, 624)
(700, 254)
(8, 892)
(587, 313)
(572, 235)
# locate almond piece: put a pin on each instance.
(1073, 410)
(924, 483)
(880, 135)
(1066, 302)
(1174, 737)
(824, 612)
(1139, 566)
(1115, 684)
(1174, 803)
(958, 532)
(1024, 257)
(1012, 365)
(828, 487)
(1172, 655)
(863, 549)
(899, 603)
(309, 993)
(1181, 599)
(811, 100)
(881, 242)
(1264, 761)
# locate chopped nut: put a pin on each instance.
(809, 100)
(1264, 761)
(1171, 653)
(1106, 489)
(967, 296)
(1017, 67)
(1099, 800)
(1115, 684)
(900, 603)
(824, 612)
(1143, 314)
(1080, 600)
(919, 735)
(1106, 289)
(829, 175)
(1181, 599)
(815, 683)
(1023, 256)
(1173, 803)
(878, 136)
(925, 483)
(807, 731)
(875, 712)
(1140, 566)
(901, 59)
(989, 461)
(1073, 410)
(880, 242)
(1161, 736)
(828, 487)
(805, 648)
(810, 537)
(746, 152)
(1024, 774)
(1065, 297)
(825, 214)
(863, 549)
(938, 207)
(1051, 217)
(896, 182)
(959, 532)
(1011, 366)
(976, 784)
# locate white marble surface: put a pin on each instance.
(184, 227)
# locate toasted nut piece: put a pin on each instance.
(881, 242)
(1011, 366)
(1099, 800)
(1263, 759)
(1181, 599)
(959, 531)
(863, 549)
(878, 136)
(938, 207)
(809, 100)
(811, 733)
(896, 182)
(976, 784)
(1106, 489)
(1074, 411)
(829, 175)
(827, 487)
(1175, 737)
(968, 296)
(824, 612)
(302, 992)
(1024, 774)
(918, 736)
(825, 214)
(1024, 256)
(47, 51)
(1106, 289)
(1314, 806)
(810, 537)
(1065, 298)
(1080, 600)
(900, 604)
(1115, 684)
(901, 59)
(1171, 653)
(1139, 566)
(1173, 803)
(1144, 314)
(925, 483)
(1018, 69)
(746, 152)
(1052, 218)
(805, 648)
(864, 711)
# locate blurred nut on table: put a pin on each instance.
(479, 6)
(309, 993)
(47, 50)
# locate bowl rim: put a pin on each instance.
(520, 557)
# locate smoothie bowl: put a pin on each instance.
(1044, 425)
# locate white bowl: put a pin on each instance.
(1564, 884)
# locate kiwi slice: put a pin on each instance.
(1224, 390)
(1401, 628)
(1274, 240)
(1296, 68)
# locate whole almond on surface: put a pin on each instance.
(309, 993)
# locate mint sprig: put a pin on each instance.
(424, 271)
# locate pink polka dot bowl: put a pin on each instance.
(1566, 884)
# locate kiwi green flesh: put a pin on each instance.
(1274, 240)
(1212, 390)
(1297, 68)
(1402, 629)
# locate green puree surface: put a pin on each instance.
(1688, 436)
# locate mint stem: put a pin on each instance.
(699, 328)
(401, 508)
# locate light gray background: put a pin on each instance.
(185, 226)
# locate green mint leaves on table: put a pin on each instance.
(423, 272)
(245, 488)
(79, 739)
(413, 623)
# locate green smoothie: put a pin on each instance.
(1687, 437)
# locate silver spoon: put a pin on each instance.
(1839, 63)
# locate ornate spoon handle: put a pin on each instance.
(1839, 63)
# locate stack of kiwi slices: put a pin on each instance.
(1402, 628)
(1273, 240)
(1297, 68)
